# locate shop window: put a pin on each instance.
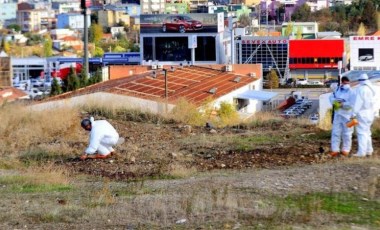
(205, 50)
(172, 49)
(148, 49)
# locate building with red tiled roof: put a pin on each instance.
(154, 90)
(9, 94)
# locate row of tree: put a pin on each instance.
(347, 19)
(74, 81)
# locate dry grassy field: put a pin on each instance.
(173, 173)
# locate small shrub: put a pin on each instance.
(187, 113)
(228, 114)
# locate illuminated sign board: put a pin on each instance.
(181, 23)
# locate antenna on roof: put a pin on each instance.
(212, 90)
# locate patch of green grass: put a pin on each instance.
(320, 135)
(351, 207)
(251, 142)
(273, 122)
(38, 156)
(24, 184)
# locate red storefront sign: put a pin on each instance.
(315, 54)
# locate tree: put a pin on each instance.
(289, 29)
(99, 52)
(273, 80)
(83, 77)
(362, 30)
(369, 14)
(15, 27)
(5, 46)
(48, 46)
(72, 80)
(119, 49)
(97, 77)
(55, 87)
(95, 33)
(299, 33)
(245, 20)
(302, 13)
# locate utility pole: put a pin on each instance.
(83, 4)
(231, 28)
(267, 9)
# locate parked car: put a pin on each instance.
(302, 81)
(366, 57)
(35, 93)
(315, 83)
(314, 119)
(181, 24)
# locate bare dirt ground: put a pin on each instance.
(151, 149)
(282, 157)
(171, 176)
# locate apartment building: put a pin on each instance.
(109, 18)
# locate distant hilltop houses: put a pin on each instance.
(34, 15)
(178, 32)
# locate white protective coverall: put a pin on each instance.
(364, 111)
(345, 95)
(102, 137)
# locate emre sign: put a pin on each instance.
(365, 38)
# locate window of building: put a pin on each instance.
(148, 49)
(205, 50)
(172, 49)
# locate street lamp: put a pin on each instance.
(83, 6)
(164, 71)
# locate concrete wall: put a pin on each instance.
(107, 99)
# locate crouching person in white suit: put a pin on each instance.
(103, 137)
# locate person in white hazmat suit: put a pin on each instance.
(364, 112)
(103, 137)
(341, 99)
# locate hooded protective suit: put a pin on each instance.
(102, 137)
(342, 97)
(363, 109)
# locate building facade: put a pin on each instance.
(364, 53)
(152, 6)
(272, 52)
(72, 20)
(8, 11)
(186, 39)
(307, 30)
(315, 59)
(109, 18)
(29, 20)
